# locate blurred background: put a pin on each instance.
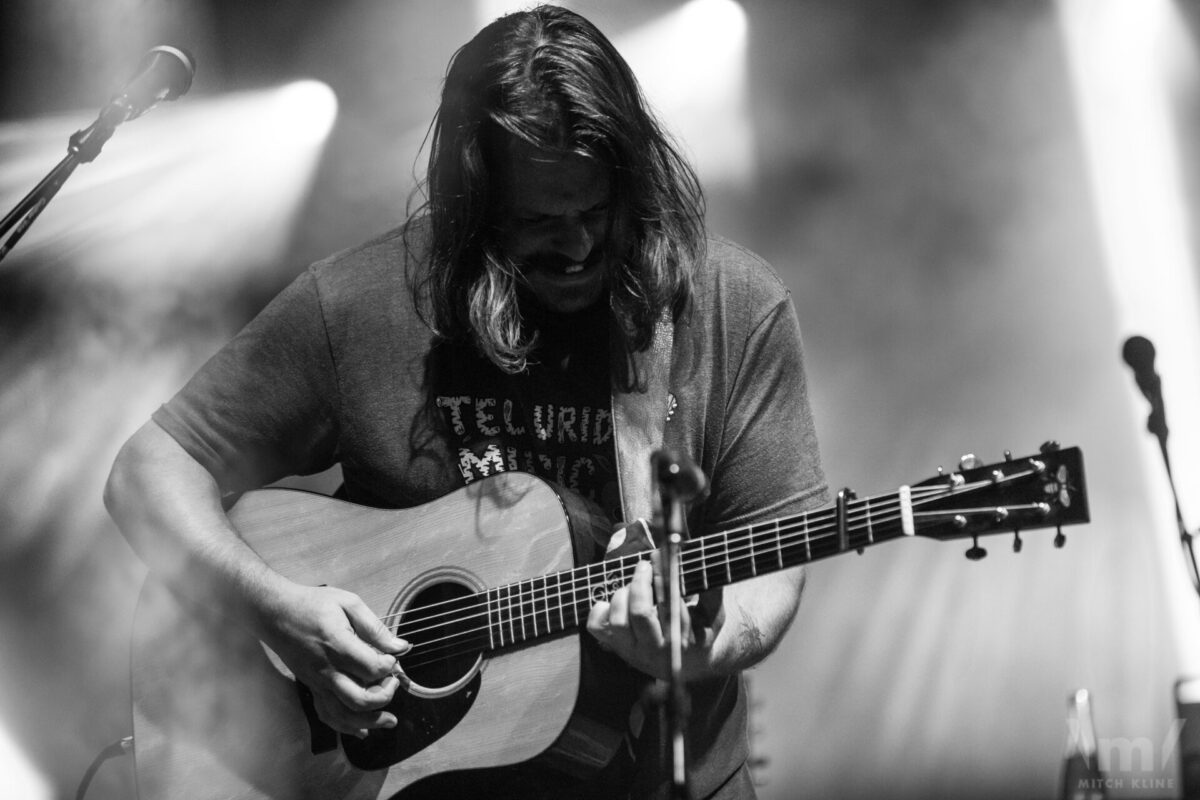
(974, 203)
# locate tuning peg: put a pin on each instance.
(975, 553)
(969, 461)
(1017, 543)
(1008, 455)
(1060, 539)
(1049, 446)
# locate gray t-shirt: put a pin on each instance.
(337, 369)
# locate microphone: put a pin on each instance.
(1138, 353)
(678, 475)
(164, 73)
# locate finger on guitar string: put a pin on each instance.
(364, 648)
(597, 622)
(618, 616)
(642, 613)
(372, 629)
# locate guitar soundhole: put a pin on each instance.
(446, 625)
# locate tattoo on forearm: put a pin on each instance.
(750, 637)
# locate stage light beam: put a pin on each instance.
(1122, 57)
(182, 197)
(20, 778)
(692, 65)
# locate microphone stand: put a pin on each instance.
(1158, 427)
(679, 482)
(1138, 353)
(82, 148)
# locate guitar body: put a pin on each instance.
(216, 715)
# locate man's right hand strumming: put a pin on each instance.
(336, 646)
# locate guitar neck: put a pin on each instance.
(738, 554)
(1040, 491)
(550, 604)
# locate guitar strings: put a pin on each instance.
(583, 575)
(463, 641)
(740, 559)
(697, 551)
(513, 625)
(466, 641)
(799, 522)
(581, 579)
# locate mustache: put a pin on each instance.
(557, 262)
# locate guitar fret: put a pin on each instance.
(533, 607)
(512, 626)
(591, 584)
(558, 601)
(704, 563)
(491, 621)
(533, 611)
(541, 601)
(870, 529)
(728, 566)
(545, 600)
(592, 594)
(545, 608)
(807, 539)
(575, 596)
(753, 562)
(778, 545)
(521, 610)
(499, 616)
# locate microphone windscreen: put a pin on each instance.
(1138, 353)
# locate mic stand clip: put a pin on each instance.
(82, 148)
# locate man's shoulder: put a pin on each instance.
(394, 251)
(732, 270)
(378, 268)
(371, 280)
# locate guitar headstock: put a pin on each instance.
(1046, 490)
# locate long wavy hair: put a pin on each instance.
(550, 77)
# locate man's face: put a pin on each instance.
(554, 216)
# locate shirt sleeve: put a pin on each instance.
(768, 461)
(264, 406)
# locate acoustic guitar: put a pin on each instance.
(491, 585)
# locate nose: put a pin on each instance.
(574, 239)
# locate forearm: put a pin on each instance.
(740, 625)
(169, 509)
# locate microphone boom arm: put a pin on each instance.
(166, 73)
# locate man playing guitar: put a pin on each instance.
(555, 306)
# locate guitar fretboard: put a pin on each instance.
(551, 604)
